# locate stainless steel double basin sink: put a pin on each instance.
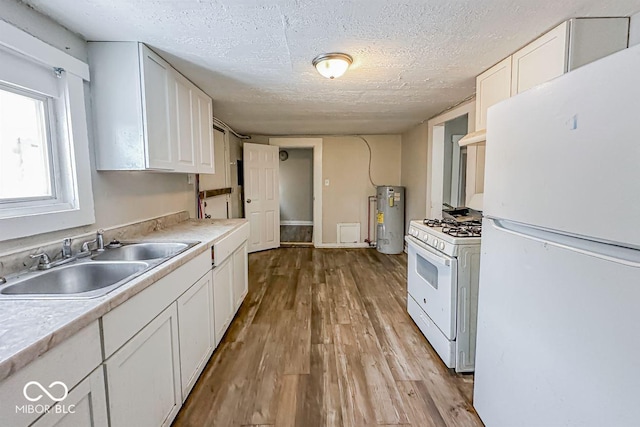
(92, 276)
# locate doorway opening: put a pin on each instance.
(313, 193)
(296, 196)
(451, 165)
(455, 163)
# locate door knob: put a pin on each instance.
(248, 200)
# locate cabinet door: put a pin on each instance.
(84, 406)
(196, 331)
(182, 124)
(143, 377)
(240, 282)
(155, 93)
(223, 297)
(492, 86)
(541, 60)
(203, 129)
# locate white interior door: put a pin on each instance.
(261, 195)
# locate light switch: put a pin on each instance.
(326, 182)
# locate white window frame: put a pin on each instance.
(11, 207)
(72, 205)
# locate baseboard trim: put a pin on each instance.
(292, 222)
(296, 244)
(343, 245)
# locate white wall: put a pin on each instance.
(634, 30)
(296, 185)
(414, 172)
(345, 161)
(119, 197)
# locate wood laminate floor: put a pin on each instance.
(323, 339)
(296, 233)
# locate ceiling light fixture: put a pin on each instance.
(332, 65)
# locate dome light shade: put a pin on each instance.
(332, 65)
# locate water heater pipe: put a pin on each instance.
(368, 239)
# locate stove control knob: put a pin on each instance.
(442, 245)
(435, 243)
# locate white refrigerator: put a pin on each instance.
(558, 340)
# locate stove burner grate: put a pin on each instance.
(440, 222)
(471, 228)
(463, 231)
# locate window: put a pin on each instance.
(25, 147)
(45, 178)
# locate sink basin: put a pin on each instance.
(84, 280)
(142, 251)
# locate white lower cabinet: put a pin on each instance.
(137, 364)
(84, 406)
(70, 363)
(223, 296)
(143, 377)
(196, 331)
(240, 279)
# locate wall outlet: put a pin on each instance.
(191, 178)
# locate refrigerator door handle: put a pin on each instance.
(607, 251)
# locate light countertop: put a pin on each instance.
(29, 328)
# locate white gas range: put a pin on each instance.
(443, 271)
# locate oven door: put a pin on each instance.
(432, 281)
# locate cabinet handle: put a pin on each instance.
(248, 200)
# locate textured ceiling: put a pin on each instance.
(412, 58)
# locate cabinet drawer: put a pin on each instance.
(228, 245)
(122, 323)
(68, 363)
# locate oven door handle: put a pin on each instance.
(429, 253)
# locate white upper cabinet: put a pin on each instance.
(203, 130)
(492, 86)
(182, 123)
(568, 46)
(156, 121)
(541, 60)
(147, 115)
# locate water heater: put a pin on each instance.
(390, 219)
